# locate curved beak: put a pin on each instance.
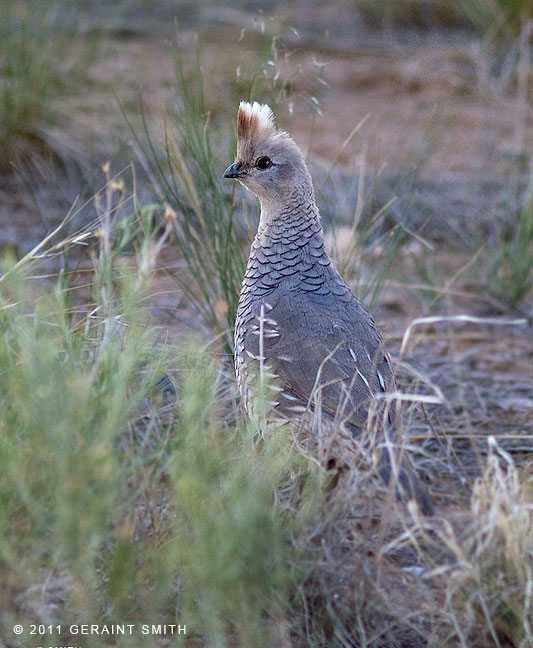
(234, 171)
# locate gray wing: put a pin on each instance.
(325, 345)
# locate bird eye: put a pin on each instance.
(263, 163)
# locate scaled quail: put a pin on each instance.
(297, 320)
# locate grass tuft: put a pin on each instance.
(512, 269)
(186, 179)
(41, 66)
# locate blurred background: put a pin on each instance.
(119, 239)
(430, 100)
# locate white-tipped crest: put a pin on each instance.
(261, 114)
(256, 121)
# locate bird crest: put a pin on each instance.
(256, 121)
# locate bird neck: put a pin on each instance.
(291, 237)
(296, 214)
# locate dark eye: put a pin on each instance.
(263, 163)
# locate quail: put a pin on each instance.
(297, 320)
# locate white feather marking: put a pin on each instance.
(363, 379)
(353, 354)
(381, 381)
(290, 397)
(298, 409)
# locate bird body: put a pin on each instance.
(298, 323)
(310, 314)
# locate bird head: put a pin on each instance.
(268, 162)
